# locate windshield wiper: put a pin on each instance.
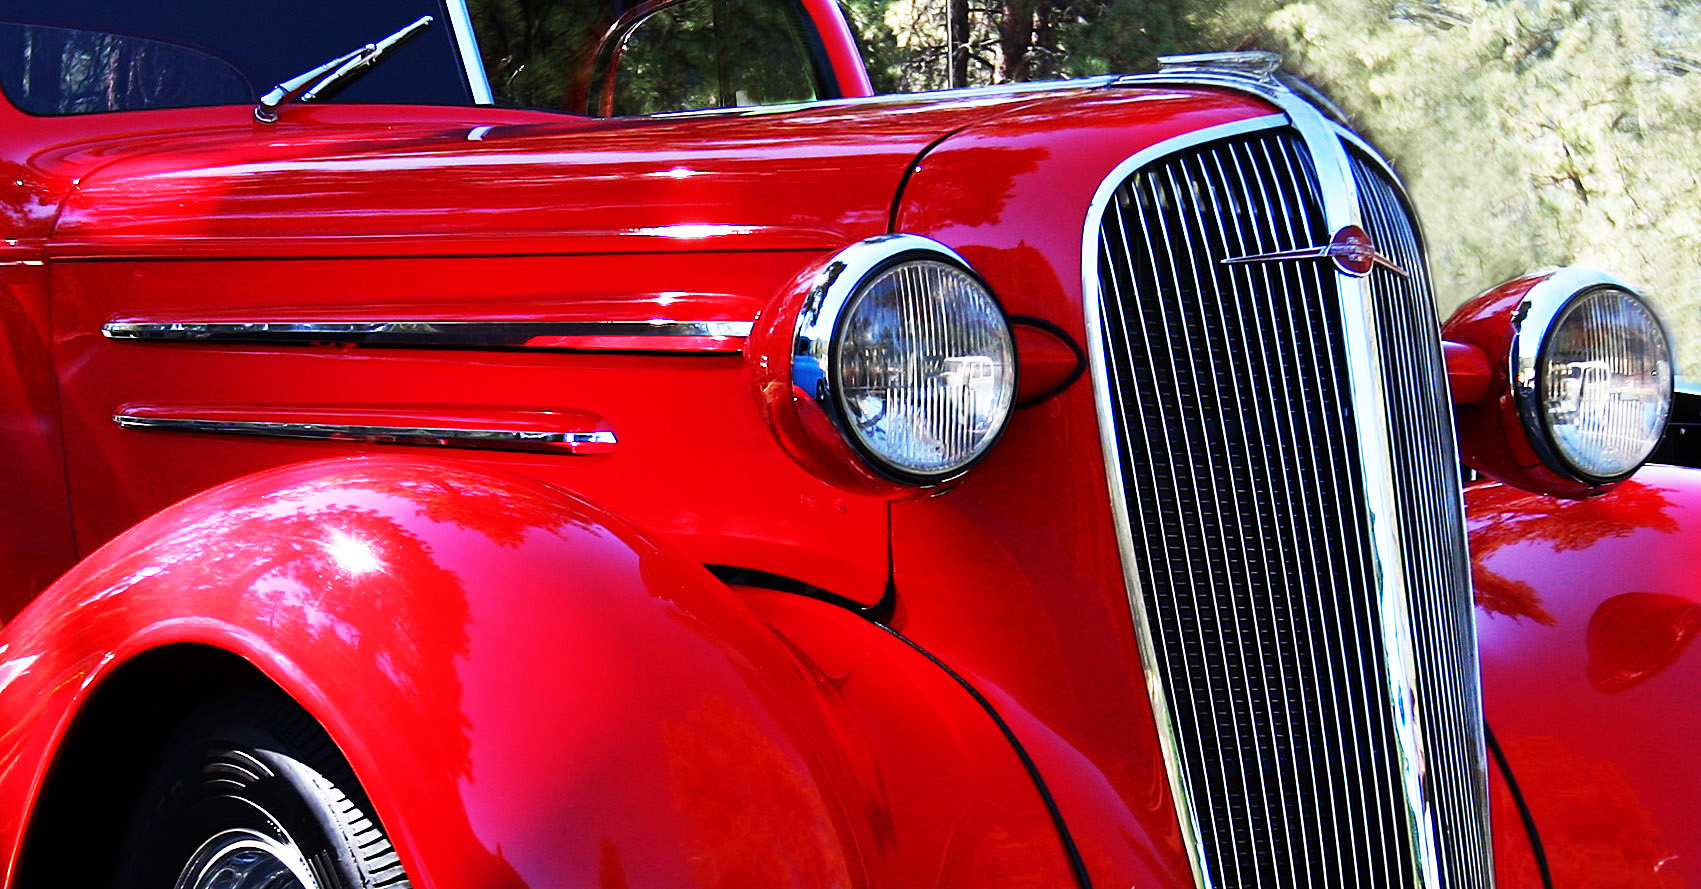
(340, 69)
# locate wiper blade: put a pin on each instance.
(334, 72)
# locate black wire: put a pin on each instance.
(1523, 808)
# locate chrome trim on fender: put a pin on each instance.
(1103, 400)
(466, 44)
(819, 317)
(585, 444)
(654, 335)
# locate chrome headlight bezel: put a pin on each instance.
(1534, 327)
(820, 329)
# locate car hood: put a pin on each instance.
(798, 177)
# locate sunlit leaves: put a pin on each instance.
(1531, 134)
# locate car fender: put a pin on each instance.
(531, 691)
(1587, 611)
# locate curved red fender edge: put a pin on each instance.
(1587, 611)
(531, 692)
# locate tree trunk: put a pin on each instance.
(957, 36)
(1015, 36)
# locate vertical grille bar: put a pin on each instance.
(1255, 567)
(1432, 516)
(1231, 427)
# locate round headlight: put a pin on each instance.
(911, 357)
(1597, 390)
(925, 367)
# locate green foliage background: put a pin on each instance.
(1531, 133)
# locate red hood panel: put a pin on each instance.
(797, 178)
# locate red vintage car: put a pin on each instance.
(719, 476)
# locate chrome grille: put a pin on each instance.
(1243, 499)
(1426, 481)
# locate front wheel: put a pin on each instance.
(252, 794)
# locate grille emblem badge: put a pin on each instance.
(1350, 248)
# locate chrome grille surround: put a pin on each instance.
(1408, 805)
(1432, 512)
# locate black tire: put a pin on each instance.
(254, 789)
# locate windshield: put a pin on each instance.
(82, 56)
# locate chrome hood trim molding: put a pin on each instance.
(658, 335)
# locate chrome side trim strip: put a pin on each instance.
(466, 43)
(585, 444)
(1099, 369)
(656, 335)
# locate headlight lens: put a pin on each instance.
(1604, 383)
(924, 369)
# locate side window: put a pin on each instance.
(624, 57)
(46, 70)
(708, 54)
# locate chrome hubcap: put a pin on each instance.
(245, 859)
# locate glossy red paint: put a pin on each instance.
(390, 594)
(955, 808)
(413, 190)
(711, 505)
(1515, 863)
(1046, 361)
(1469, 375)
(1492, 439)
(598, 709)
(707, 182)
(1009, 577)
(1633, 636)
(38, 164)
(840, 44)
(35, 532)
(1586, 613)
(424, 201)
(798, 421)
(42, 160)
(664, 408)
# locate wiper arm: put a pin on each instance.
(337, 70)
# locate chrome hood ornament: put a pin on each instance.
(1350, 248)
(1256, 64)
